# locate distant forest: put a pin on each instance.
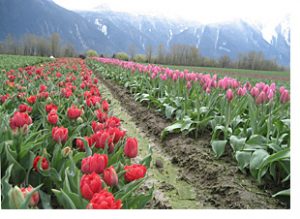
(177, 54)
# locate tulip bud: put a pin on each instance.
(79, 120)
(131, 147)
(48, 100)
(110, 176)
(98, 105)
(66, 151)
(229, 95)
(16, 197)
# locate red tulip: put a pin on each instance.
(50, 107)
(110, 176)
(3, 98)
(112, 122)
(134, 172)
(131, 147)
(90, 184)
(96, 163)
(24, 108)
(97, 126)
(44, 163)
(73, 112)
(43, 88)
(52, 117)
(105, 105)
(102, 117)
(34, 200)
(19, 120)
(60, 134)
(31, 99)
(117, 134)
(104, 200)
(102, 138)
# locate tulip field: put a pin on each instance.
(63, 147)
(248, 118)
(60, 145)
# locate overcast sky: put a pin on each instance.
(201, 10)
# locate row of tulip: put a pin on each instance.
(61, 147)
(253, 119)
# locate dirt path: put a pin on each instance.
(214, 183)
(170, 191)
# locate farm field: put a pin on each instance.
(8, 62)
(103, 133)
(278, 76)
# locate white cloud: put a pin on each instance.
(201, 10)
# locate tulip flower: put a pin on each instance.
(52, 117)
(96, 163)
(105, 106)
(134, 172)
(131, 147)
(60, 134)
(110, 176)
(44, 163)
(90, 184)
(50, 107)
(19, 120)
(35, 198)
(73, 112)
(229, 95)
(31, 99)
(104, 200)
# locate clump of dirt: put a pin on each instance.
(218, 183)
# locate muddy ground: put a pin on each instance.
(218, 183)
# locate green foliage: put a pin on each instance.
(91, 53)
(139, 58)
(122, 56)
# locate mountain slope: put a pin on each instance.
(43, 17)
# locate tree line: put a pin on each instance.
(33, 45)
(177, 54)
(181, 54)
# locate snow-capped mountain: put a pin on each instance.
(109, 32)
(213, 40)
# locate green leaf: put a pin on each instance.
(45, 199)
(286, 192)
(139, 201)
(256, 161)
(5, 187)
(218, 147)
(243, 159)
(237, 143)
(257, 140)
(169, 111)
(279, 156)
(128, 189)
(170, 129)
(19, 172)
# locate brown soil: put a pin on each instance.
(219, 183)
